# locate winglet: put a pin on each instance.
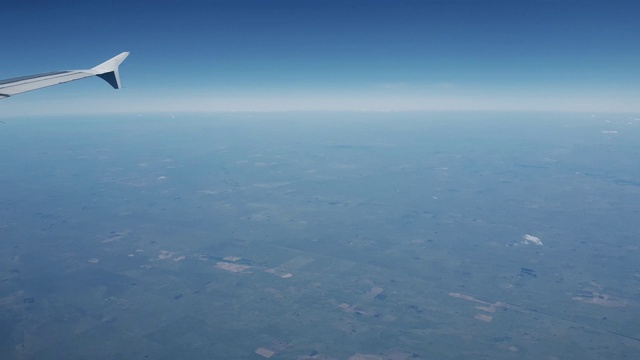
(108, 70)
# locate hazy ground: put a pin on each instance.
(320, 236)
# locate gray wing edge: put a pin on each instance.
(108, 71)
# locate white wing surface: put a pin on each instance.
(108, 71)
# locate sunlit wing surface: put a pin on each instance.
(108, 71)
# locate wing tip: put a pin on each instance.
(108, 70)
(113, 63)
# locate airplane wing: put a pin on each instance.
(108, 71)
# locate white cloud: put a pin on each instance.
(530, 239)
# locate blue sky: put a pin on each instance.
(272, 55)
